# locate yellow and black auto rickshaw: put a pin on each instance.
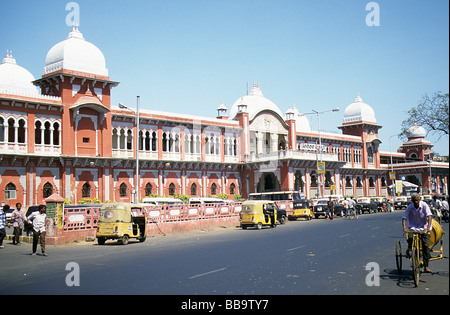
(121, 221)
(258, 213)
(302, 209)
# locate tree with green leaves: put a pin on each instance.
(431, 113)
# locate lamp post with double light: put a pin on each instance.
(318, 113)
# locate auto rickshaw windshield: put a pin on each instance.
(249, 209)
(115, 215)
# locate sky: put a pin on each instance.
(187, 56)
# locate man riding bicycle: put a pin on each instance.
(419, 217)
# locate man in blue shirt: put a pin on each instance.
(419, 217)
(3, 224)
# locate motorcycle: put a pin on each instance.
(445, 215)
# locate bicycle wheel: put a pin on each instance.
(415, 264)
(398, 256)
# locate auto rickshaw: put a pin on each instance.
(258, 213)
(121, 221)
(302, 209)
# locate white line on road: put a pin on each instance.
(291, 249)
(207, 273)
(344, 235)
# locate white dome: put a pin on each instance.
(416, 131)
(256, 102)
(15, 79)
(359, 111)
(75, 53)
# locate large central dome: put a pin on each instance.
(77, 54)
(359, 111)
(256, 102)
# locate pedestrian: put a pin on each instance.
(3, 224)
(346, 206)
(39, 220)
(18, 217)
(419, 217)
(330, 208)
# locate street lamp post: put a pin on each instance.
(136, 185)
(315, 112)
(392, 165)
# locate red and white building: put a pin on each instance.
(60, 134)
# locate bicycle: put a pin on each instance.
(414, 255)
(352, 214)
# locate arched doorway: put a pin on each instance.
(268, 182)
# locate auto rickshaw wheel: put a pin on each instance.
(259, 226)
(101, 240)
(398, 256)
(124, 240)
(142, 239)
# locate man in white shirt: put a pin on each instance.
(39, 219)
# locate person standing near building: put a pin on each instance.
(3, 224)
(330, 209)
(346, 206)
(18, 217)
(39, 219)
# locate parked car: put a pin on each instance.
(364, 204)
(320, 208)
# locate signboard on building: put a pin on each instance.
(320, 167)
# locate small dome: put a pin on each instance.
(359, 111)
(301, 122)
(256, 102)
(75, 53)
(15, 79)
(416, 131)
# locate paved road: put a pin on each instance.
(315, 257)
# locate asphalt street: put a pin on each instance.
(339, 257)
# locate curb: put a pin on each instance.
(23, 239)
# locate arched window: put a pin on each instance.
(21, 131)
(232, 189)
(213, 189)
(38, 133)
(148, 189)
(172, 189)
(10, 191)
(2, 129)
(123, 190)
(129, 140)
(122, 139)
(47, 133)
(11, 131)
(56, 133)
(47, 190)
(194, 189)
(86, 191)
(115, 139)
(348, 181)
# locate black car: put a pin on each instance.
(321, 208)
(364, 204)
